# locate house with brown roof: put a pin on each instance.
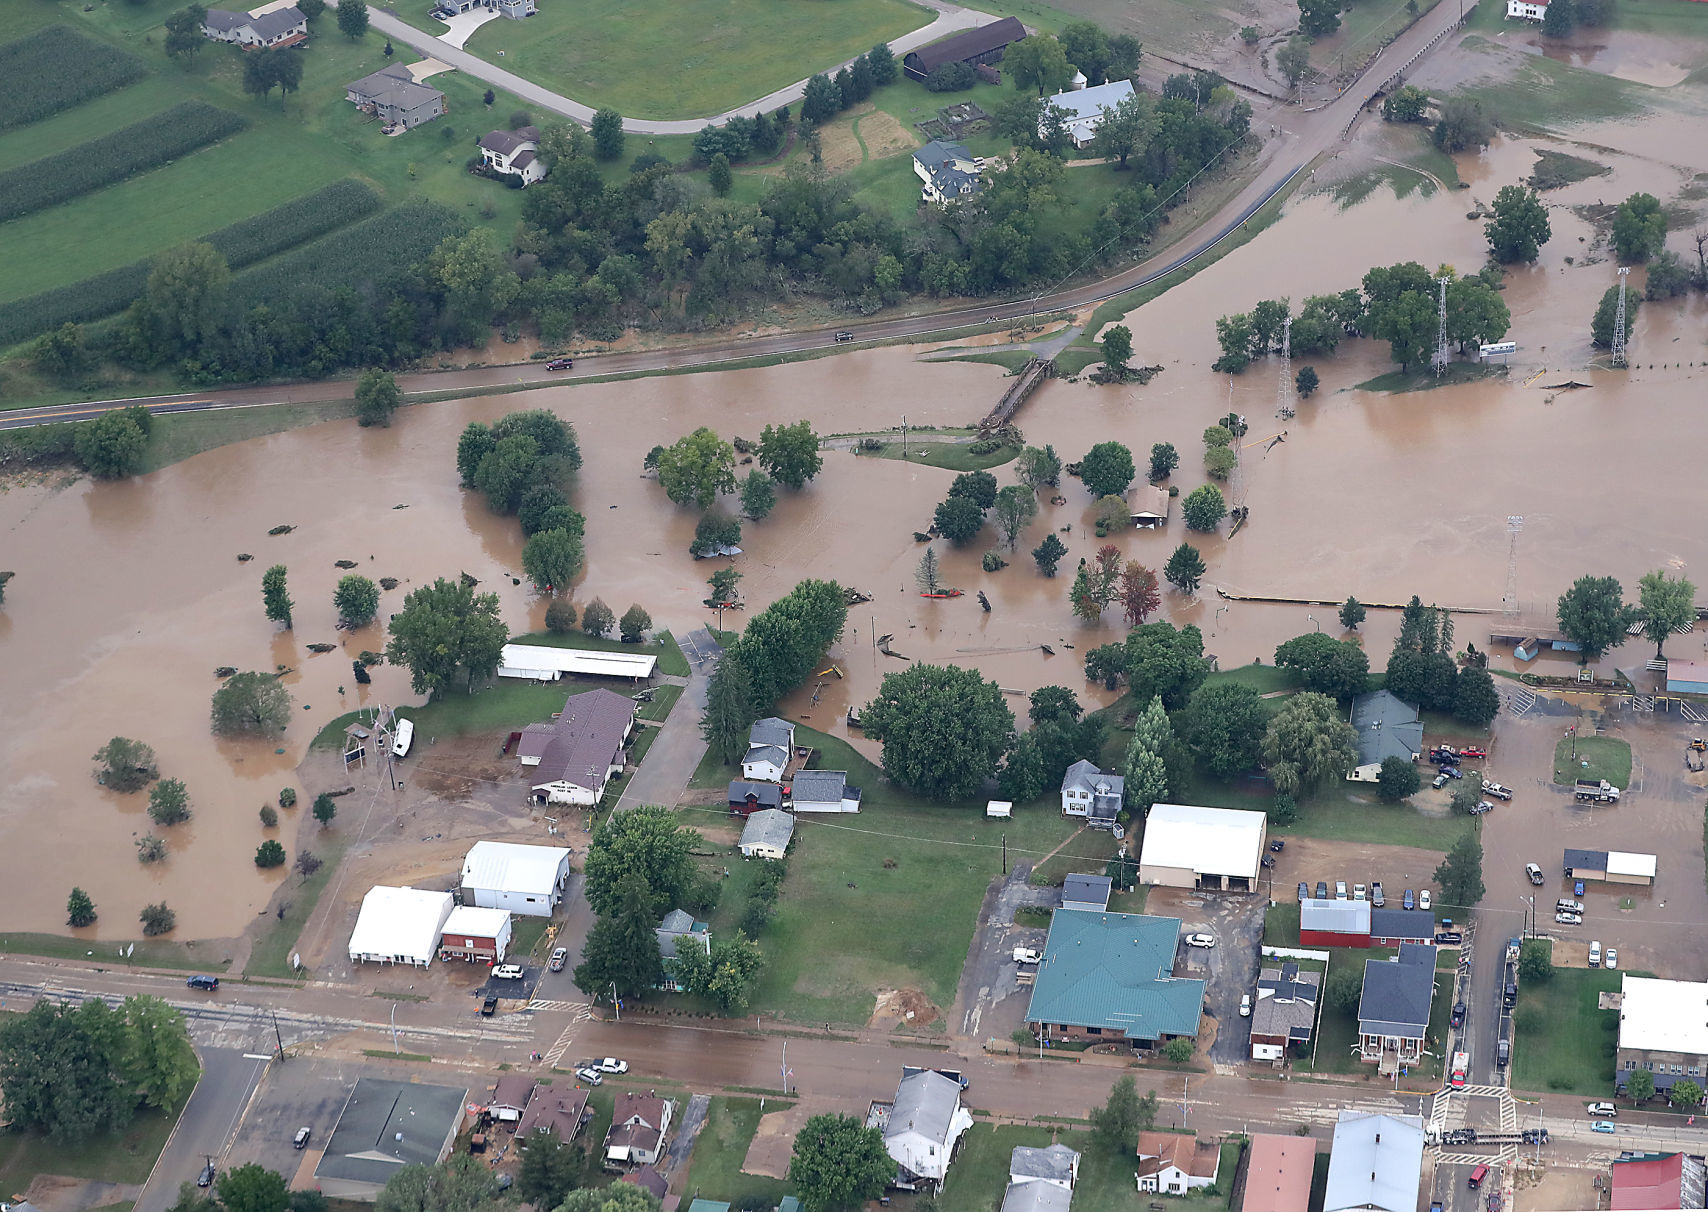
(640, 1125)
(973, 47)
(554, 1109)
(1278, 1173)
(514, 152)
(575, 756)
(510, 1097)
(1171, 1164)
(648, 1179)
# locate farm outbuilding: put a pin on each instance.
(766, 834)
(520, 879)
(1610, 866)
(1219, 849)
(541, 663)
(984, 44)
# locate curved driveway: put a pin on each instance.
(1303, 137)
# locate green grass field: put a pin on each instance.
(290, 148)
(721, 1148)
(115, 1157)
(1364, 27)
(980, 1173)
(271, 954)
(1562, 1042)
(690, 59)
(148, 953)
(1596, 757)
(1543, 94)
(840, 893)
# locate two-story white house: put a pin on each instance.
(948, 170)
(514, 151)
(280, 27)
(769, 743)
(1092, 794)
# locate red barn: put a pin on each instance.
(1334, 923)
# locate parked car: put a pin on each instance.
(1567, 918)
(1496, 790)
(489, 1007)
(1448, 938)
(560, 956)
(1602, 1126)
(611, 1064)
(1611, 959)
(1269, 860)
(1245, 1005)
(1458, 1014)
(1566, 906)
(1606, 1110)
(1453, 772)
(1278, 845)
(560, 364)
(203, 981)
(1376, 897)
(1322, 890)
(1358, 892)
(844, 336)
(1438, 782)
(509, 972)
(206, 1177)
(1408, 901)
(1304, 892)
(1577, 887)
(300, 1140)
(1477, 1176)
(1339, 890)
(1423, 900)
(1473, 751)
(1201, 940)
(589, 1075)
(1534, 873)
(1595, 954)
(1028, 955)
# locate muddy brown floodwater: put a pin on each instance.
(129, 595)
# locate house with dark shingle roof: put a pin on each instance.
(1387, 726)
(823, 791)
(1087, 892)
(640, 1125)
(1092, 794)
(948, 170)
(1393, 1011)
(394, 97)
(278, 28)
(1055, 1164)
(1286, 1011)
(576, 756)
(746, 798)
(514, 151)
(769, 743)
(385, 1126)
(1110, 976)
(767, 834)
(558, 1109)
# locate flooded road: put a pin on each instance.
(129, 595)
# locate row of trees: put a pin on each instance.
(1594, 613)
(699, 467)
(355, 597)
(522, 463)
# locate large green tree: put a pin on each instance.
(1184, 569)
(460, 1183)
(125, 765)
(730, 710)
(696, 468)
(447, 632)
(1038, 468)
(250, 704)
(1476, 314)
(1146, 771)
(1397, 779)
(61, 1070)
(943, 729)
(958, 519)
(1166, 661)
(1223, 725)
(549, 1171)
(1460, 874)
(1118, 1122)
(1520, 225)
(552, 559)
(790, 453)
(1594, 614)
(1126, 129)
(1607, 312)
(377, 397)
(647, 842)
(1667, 604)
(724, 975)
(622, 948)
(352, 18)
(839, 1163)
(253, 1188)
(1463, 126)
(185, 298)
(617, 1197)
(1639, 228)
(1015, 507)
(184, 37)
(607, 129)
(112, 445)
(275, 600)
(1475, 700)
(1334, 667)
(357, 600)
(1318, 18)
(1038, 62)
(1107, 469)
(1308, 744)
(1204, 508)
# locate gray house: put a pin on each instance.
(1087, 892)
(1387, 727)
(769, 744)
(1393, 1012)
(281, 27)
(392, 95)
(766, 834)
(1089, 792)
(949, 171)
(823, 791)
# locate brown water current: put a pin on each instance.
(129, 595)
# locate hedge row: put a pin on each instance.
(359, 255)
(56, 68)
(243, 243)
(37, 444)
(111, 158)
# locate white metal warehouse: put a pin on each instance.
(1211, 848)
(400, 926)
(523, 879)
(541, 663)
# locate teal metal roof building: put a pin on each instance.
(1111, 975)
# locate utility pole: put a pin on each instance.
(616, 1003)
(1619, 320)
(1442, 354)
(279, 1035)
(1005, 854)
(1509, 600)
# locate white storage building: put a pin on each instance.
(400, 926)
(1208, 848)
(542, 663)
(523, 879)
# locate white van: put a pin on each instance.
(402, 738)
(1339, 890)
(1595, 955)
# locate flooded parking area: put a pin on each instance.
(129, 595)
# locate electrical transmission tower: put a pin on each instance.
(1284, 390)
(1509, 600)
(1619, 321)
(1440, 358)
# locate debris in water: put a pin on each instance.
(343, 563)
(984, 601)
(319, 648)
(226, 671)
(515, 580)
(469, 581)
(1568, 385)
(1048, 651)
(370, 657)
(400, 507)
(388, 582)
(281, 530)
(919, 536)
(243, 557)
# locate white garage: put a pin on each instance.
(528, 880)
(400, 926)
(1219, 849)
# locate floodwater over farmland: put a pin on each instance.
(129, 595)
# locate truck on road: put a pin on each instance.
(1513, 947)
(1461, 1066)
(1596, 791)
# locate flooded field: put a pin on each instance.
(129, 595)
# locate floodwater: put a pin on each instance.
(129, 595)
(1640, 58)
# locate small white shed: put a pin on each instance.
(999, 809)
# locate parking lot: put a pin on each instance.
(1229, 969)
(1396, 868)
(304, 1092)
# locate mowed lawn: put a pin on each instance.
(683, 58)
(291, 147)
(892, 893)
(1562, 1042)
(980, 1174)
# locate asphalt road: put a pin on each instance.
(210, 1119)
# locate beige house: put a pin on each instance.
(1170, 1164)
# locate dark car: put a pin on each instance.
(300, 1140)
(844, 336)
(489, 1007)
(1278, 845)
(1322, 890)
(203, 981)
(1458, 1014)
(1269, 860)
(1449, 938)
(560, 364)
(1408, 901)
(206, 1177)
(1304, 891)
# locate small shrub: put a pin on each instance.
(269, 816)
(168, 802)
(150, 849)
(269, 854)
(307, 863)
(288, 798)
(157, 919)
(993, 562)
